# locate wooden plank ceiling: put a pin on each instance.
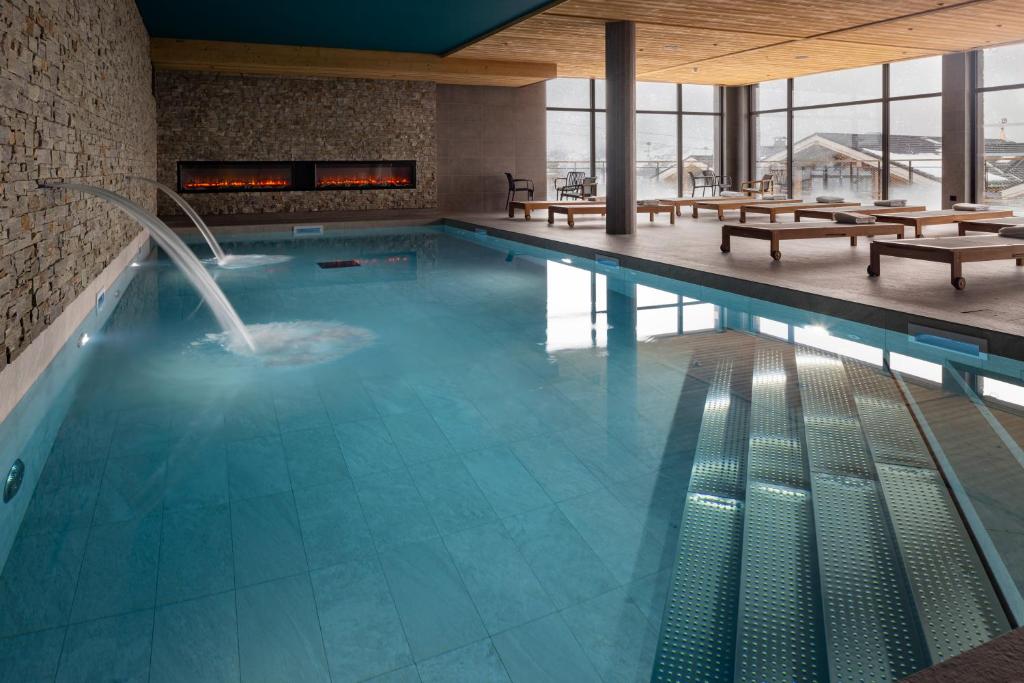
(736, 42)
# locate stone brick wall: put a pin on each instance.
(482, 132)
(75, 102)
(204, 116)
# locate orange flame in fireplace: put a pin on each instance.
(235, 183)
(362, 181)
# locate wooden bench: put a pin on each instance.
(830, 214)
(952, 250)
(723, 204)
(591, 208)
(774, 210)
(680, 202)
(988, 226)
(919, 219)
(530, 206)
(776, 232)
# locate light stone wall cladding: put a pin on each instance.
(75, 103)
(215, 117)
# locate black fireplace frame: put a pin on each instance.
(303, 174)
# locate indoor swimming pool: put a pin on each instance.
(460, 458)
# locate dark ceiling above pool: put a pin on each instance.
(398, 25)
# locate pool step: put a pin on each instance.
(697, 641)
(954, 600)
(869, 625)
(780, 636)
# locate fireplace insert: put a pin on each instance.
(264, 176)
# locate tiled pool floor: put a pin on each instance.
(491, 491)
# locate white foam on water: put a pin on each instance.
(239, 261)
(301, 342)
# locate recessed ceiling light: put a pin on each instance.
(671, 47)
(800, 57)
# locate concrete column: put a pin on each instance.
(620, 91)
(736, 134)
(957, 130)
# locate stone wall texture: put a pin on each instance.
(75, 103)
(215, 117)
(483, 132)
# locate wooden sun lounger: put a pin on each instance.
(919, 219)
(952, 250)
(680, 202)
(992, 225)
(774, 210)
(830, 214)
(530, 206)
(776, 232)
(593, 208)
(723, 204)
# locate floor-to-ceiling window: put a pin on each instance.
(678, 134)
(861, 134)
(1001, 116)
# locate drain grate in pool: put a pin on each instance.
(349, 263)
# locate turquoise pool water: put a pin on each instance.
(519, 466)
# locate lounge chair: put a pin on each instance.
(680, 202)
(774, 209)
(991, 225)
(528, 207)
(952, 250)
(829, 214)
(571, 181)
(765, 185)
(919, 219)
(776, 232)
(573, 209)
(723, 204)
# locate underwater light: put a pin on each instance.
(83, 340)
(567, 260)
(135, 264)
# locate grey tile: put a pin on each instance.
(279, 633)
(506, 483)
(503, 587)
(617, 535)
(313, 457)
(437, 613)
(466, 429)
(64, 497)
(197, 475)
(31, 657)
(196, 641)
(392, 395)
(346, 402)
(553, 465)
(362, 633)
(566, 566)
(650, 594)
(119, 570)
(394, 510)
(407, 674)
(543, 650)
(266, 539)
(111, 649)
(615, 635)
(451, 494)
(367, 447)
(417, 437)
(257, 467)
(301, 412)
(248, 416)
(478, 662)
(195, 554)
(333, 527)
(132, 487)
(38, 582)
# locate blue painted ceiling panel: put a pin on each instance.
(398, 25)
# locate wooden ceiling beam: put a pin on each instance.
(289, 60)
